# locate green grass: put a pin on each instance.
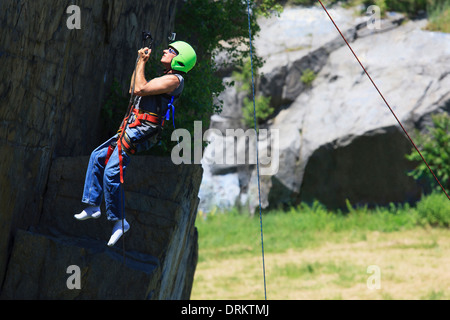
(440, 19)
(347, 272)
(314, 253)
(223, 235)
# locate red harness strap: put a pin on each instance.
(108, 155)
(123, 138)
(111, 148)
(119, 146)
(147, 116)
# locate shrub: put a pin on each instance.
(439, 16)
(263, 110)
(434, 210)
(308, 77)
(435, 147)
(211, 27)
(438, 10)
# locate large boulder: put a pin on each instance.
(338, 139)
(351, 145)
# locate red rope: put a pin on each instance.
(387, 104)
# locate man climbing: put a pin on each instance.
(138, 132)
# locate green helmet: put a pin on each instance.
(186, 58)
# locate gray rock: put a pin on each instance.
(351, 145)
(160, 248)
(57, 81)
(39, 270)
(368, 169)
(338, 140)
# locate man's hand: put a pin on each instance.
(144, 54)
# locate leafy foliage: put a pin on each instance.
(434, 210)
(303, 2)
(308, 77)
(435, 147)
(262, 112)
(262, 108)
(439, 16)
(213, 27)
(112, 111)
(438, 10)
(210, 27)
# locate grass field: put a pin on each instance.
(311, 253)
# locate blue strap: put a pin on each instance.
(171, 107)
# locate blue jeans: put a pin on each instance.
(104, 180)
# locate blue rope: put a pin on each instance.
(257, 153)
(171, 107)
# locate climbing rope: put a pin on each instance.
(145, 37)
(387, 104)
(257, 153)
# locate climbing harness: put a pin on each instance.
(257, 153)
(387, 104)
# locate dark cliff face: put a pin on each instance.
(54, 81)
(156, 260)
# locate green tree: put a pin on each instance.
(262, 109)
(211, 27)
(435, 145)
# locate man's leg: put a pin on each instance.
(114, 194)
(93, 185)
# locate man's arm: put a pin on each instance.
(164, 84)
(142, 59)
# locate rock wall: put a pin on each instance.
(160, 247)
(54, 83)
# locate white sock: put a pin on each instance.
(117, 232)
(89, 212)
